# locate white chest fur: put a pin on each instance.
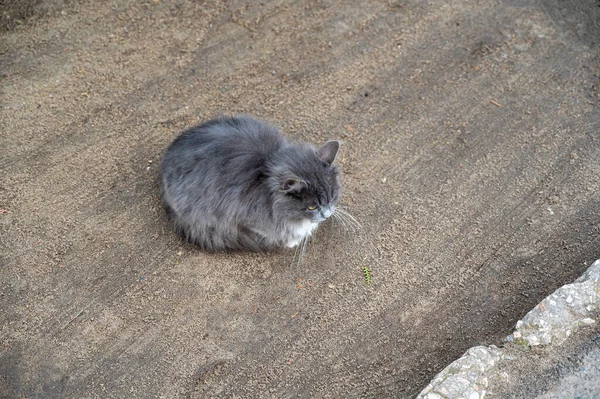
(299, 231)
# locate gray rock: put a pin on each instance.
(551, 322)
(466, 377)
(555, 318)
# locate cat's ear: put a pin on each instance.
(328, 152)
(292, 185)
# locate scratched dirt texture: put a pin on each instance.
(471, 156)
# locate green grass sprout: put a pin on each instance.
(367, 273)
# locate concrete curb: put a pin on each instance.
(551, 322)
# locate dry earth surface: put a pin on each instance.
(471, 157)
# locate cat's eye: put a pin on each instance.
(312, 207)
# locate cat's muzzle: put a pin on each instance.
(327, 211)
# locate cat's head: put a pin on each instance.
(305, 182)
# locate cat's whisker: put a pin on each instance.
(349, 217)
(297, 255)
(350, 225)
(301, 247)
(335, 217)
(341, 222)
(305, 242)
(337, 220)
(347, 222)
(344, 212)
(299, 251)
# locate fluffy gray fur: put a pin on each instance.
(237, 183)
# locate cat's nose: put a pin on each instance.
(326, 212)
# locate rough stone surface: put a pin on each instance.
(551, 322)
(465, 377)
(554, 319)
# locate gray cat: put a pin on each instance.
(237, 183)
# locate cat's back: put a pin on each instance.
(227, 138)
(218, 155)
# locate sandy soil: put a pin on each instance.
(472, 140)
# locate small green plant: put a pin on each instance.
(367, 273)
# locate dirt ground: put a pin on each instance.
(471, 157)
